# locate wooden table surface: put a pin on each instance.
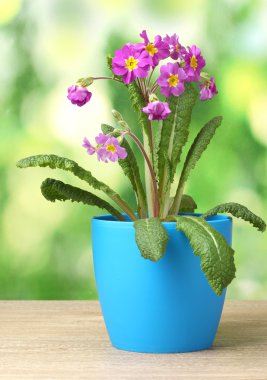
(68, 340)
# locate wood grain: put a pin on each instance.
(68, 340)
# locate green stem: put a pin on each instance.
(154, 87)
(155, 201)
(124, 206)
(150, 76)
(150, 137)
(148, 181)
(165, 194)
(82, 174)
(110, 78)
(177, 199)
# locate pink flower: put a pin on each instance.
(90, 149)
(111, 150)
(107, 148)
(157, 110)
(101, 138)
(157, 50)
(194, 63)
(176, 49)
(208, 89)
(171, 79)
(78, 95)
(131, 62)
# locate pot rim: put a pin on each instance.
(213, 220)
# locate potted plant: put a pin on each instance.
(161, 269)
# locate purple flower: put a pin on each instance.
(157, 50)
(78, 95)
(111, 150)
(131, 62)
(208, 89)
(101, 138)
(171, 79)
(90, 149)
(194, 63)
(108, 148)
(176, 49)
(157, 110)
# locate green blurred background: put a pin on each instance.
(45, 249)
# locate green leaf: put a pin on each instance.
(156, 144)
(109, 61)
(199, 145)
(174, 133)
(151, 238)
(109, 64)
(187, 204)
(216, 256)
(53, 190)
(56, 162)
(239, 211)
(138, 102)
(165, 146)
(131, 170)
(183, 111)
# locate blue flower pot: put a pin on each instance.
(157, 307)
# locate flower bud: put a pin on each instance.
(117, 115)
(120, 139)
(205, 76)
(123, 124)
(85, 82)
(153, 98)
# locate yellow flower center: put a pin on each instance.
(193, 62)
(173, 80)
(177, 49)
(150, 48)
(111, 148)
(131, 63)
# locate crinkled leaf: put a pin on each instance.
(183, 110)
(187, 204)
(56, 162)
(131, 170)
(151, 238)
(199, 145)
(138, 102)
(165, 146)
(216, 256)
(53, 190)
(174, 135)
(239, 211)
(156, 143)
(166, 179)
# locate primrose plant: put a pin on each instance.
(160, 76)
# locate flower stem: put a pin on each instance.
(142, 89)
(152, 174)
(124, 206)
(151, 140)
(154, 87)
(177, 200)
(111, 78)
(150, 76)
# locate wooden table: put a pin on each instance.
(68, 340)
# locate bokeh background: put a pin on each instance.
(45, 249)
